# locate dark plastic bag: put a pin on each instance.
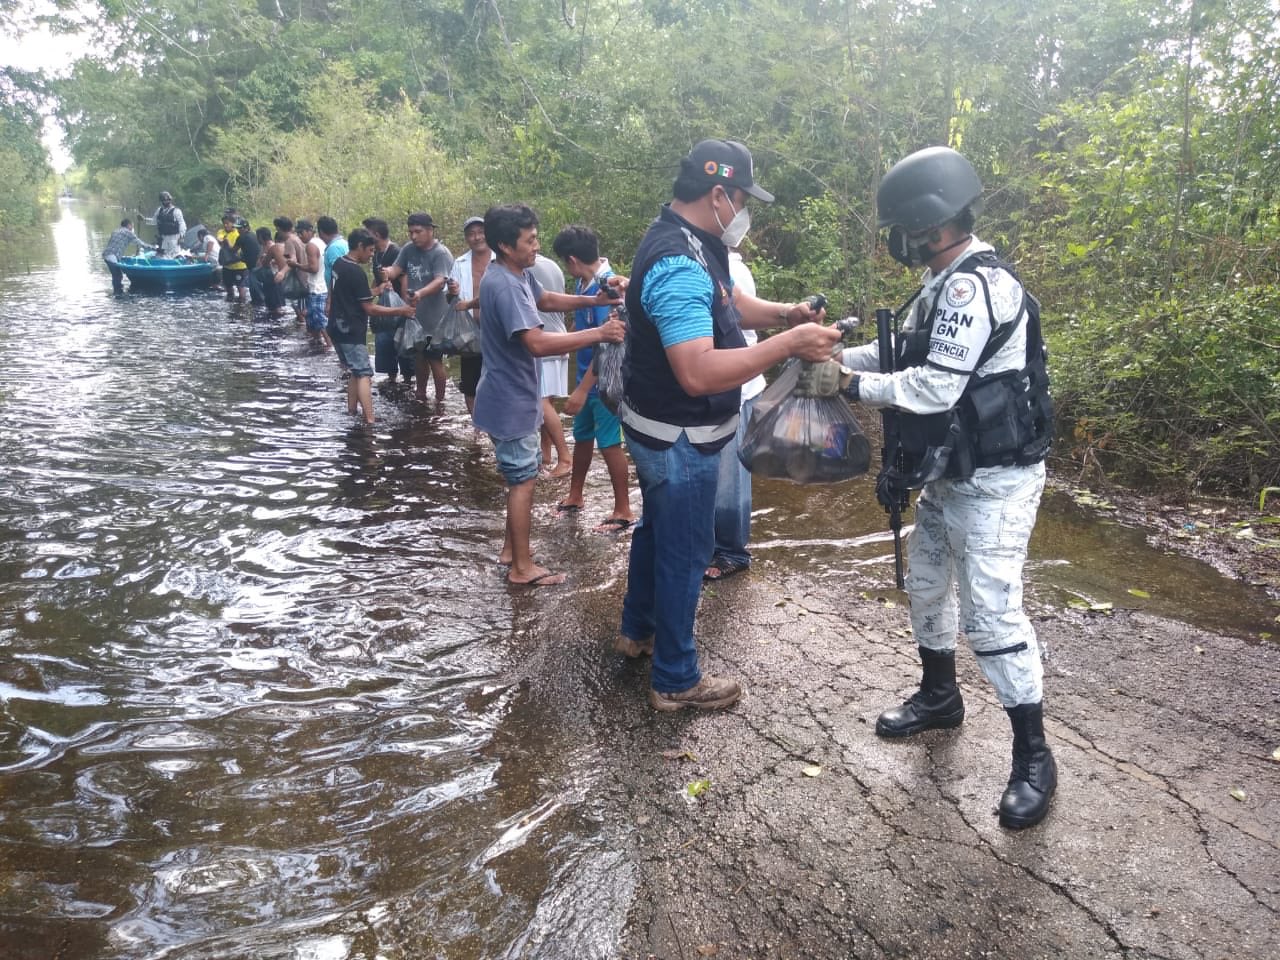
(293, 287)
(383, 323)
(459, 333)
(607, 362)
(803, 439)
(411, 337)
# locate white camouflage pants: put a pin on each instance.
(973, 534)
(169, 244)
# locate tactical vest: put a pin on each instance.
(167, 221)
(1005, 419)
(655, 408)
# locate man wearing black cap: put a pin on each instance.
(687, 361)
(170, 226)
(425, 263)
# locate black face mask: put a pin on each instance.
(919, 252)
(905, 252)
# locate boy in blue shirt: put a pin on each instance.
(594, 424)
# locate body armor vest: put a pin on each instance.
(167, 221)
(1005, 419)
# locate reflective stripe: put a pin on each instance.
(1016, 648)
(670, 432)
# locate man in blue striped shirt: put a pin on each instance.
(687, 361)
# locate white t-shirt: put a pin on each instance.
(740, 274)
(315, 281)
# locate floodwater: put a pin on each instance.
(263, 690)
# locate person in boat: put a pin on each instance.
(207, 247)
(119, 241)
(170, 226)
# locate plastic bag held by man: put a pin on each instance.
(607, 363)
(802, 438)
(459, 333)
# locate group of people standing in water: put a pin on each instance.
(967, 386)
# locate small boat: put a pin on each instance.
(167, 274)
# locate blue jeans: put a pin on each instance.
(670, 550)
(733, 498)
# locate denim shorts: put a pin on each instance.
(354, 357)
(316, 319)
(518, 459)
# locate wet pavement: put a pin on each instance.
(816, 839)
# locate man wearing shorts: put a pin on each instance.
(351, 304)
(594, 425)
(312, 271)
(508, 405)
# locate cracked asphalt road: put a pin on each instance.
(893, 849)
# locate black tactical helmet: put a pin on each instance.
(927, 189)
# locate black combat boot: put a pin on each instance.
(1035, 774)
(936, 704)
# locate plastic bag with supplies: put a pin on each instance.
(803, 439)
(411, 337)
(385, 324)
(459, 333)
(607, 362)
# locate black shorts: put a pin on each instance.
(471, 365)
(234, 278)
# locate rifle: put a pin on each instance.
(890, 490)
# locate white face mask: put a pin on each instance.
(736, 231)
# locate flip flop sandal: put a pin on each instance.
(547, 579)
(723, 568)
(615, 525)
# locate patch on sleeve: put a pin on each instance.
(960, 292)
(960, 325)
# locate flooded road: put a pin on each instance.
(263, 690)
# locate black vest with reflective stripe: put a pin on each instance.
(651, 388)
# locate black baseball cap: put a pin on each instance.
(724, 162)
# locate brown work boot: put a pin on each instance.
(633, 648)
(711, 693)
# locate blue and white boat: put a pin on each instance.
(167, 274)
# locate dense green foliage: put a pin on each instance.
(26, 189)
(1129, 148)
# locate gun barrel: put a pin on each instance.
(884, 338)
(896, 499)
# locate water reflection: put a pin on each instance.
(265, 692)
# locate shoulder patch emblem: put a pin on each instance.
(960, 292)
